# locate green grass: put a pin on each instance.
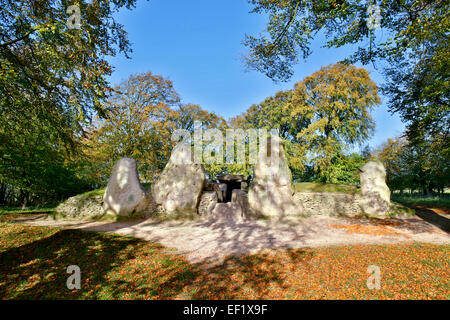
(9, 210)
(324, 187)
(93, 193)
(422, 201)
(101, 191)
(398, 209)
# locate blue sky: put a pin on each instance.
(198, 45)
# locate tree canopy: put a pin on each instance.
(53, 71)
(52, 83)
(413, 48)
(335, 103)
(321, 117)
(142, 114)
(414, 166)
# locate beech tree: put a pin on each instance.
(407, 39)
(142, 114)
(53, 79)
(335, 103)
(320, 118)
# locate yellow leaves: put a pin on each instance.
(336, 100)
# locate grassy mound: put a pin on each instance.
(325, 187)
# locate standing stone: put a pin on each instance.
(239, 199)
(270, 192)
(208, 201)
(375, 194)
(179, 186)
(124, 194)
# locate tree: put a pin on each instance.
(139, 125)
(35, 167)
(392, 155)
(52, 82)
(414, 166)
(271, 114)
(187, 114)
(343, 169)
(416, 51)
(50, 69)
(335, 102)
(318, 118)
(418, 91)
(142, 115)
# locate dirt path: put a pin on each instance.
(210, 240)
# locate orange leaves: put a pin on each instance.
(113, 267)
(370, 230)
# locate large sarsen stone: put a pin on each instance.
(179, 186)
(270, 192)
(124, 194)
(375, 194)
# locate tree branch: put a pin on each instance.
(8, 43)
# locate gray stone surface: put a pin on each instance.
(179, 186)
(327, 203)
(270, 192)
(375, 194)
(239, 200)
(81, 207)
(124, 194)
(227, 212)
(208, 201)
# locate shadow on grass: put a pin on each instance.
(33, 264)
(251, 275)
(433, 218)
(112, 267)
(115, 267)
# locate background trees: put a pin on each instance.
(142, 114)
(52, 82)
(415, 167)
(415, 55)
(321, 118)
(335, 104)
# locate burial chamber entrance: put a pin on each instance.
(232, 182)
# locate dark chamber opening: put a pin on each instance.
(232, 182)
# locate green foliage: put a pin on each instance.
(334, 104)
(420, 166)
(293, 24)
(35, 167)
(52, 80)
(343, 169)
(138, 126)
(50, 70)
(318, 120)
(142, 114)
(413, 43)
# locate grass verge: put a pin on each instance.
(28, 210)
(423, 201)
